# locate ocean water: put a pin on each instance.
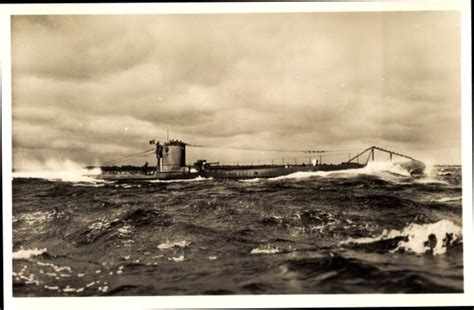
(371, 230)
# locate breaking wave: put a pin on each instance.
(52, 170)
(22, 253)
(434, 238)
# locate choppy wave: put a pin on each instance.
(232, 237)
(448, 199)
(433, 238)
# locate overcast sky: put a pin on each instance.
(94, 88)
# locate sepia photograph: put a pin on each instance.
(236, 154)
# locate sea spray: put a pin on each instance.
(52, 170)
(430, 175)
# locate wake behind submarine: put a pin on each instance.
(171, 164)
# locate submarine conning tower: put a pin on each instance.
(171, 156)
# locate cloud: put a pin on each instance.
(75, 47)
(305, 79)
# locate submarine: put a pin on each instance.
(171, 165)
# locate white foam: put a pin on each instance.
(383, 236)
(101, 224)
(265, 250)
(430, 180)
(448, 199)
(250, 180)
(35, 218)
(168, 244)
(177, 259)
(103, 289)
(30, 279)
(126, 229)
(90, 284)
(417, 235)
(93, 184)
(197, 179)
(69, 289)
(20, 254)
(56, 268)
(67, 171)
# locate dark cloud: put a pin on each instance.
(92, 88)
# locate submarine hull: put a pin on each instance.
(249, 172)
(127, 177)
(227, 172)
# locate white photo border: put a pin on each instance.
(240, 301)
